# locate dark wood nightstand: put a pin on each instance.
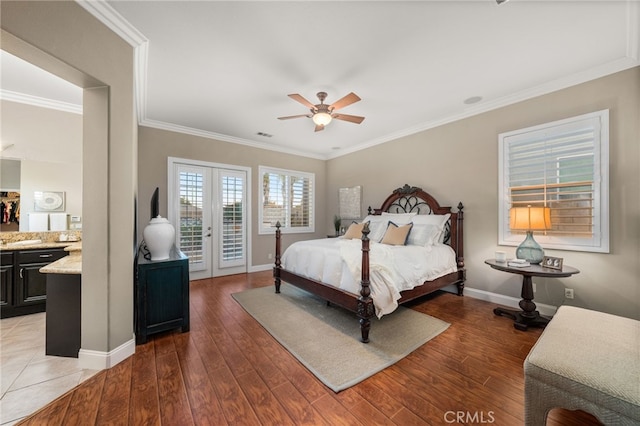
(528, 316)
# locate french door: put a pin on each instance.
(208, 208)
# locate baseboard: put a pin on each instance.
(97, 360)
(260, 268)
(512, 302)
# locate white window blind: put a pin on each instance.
(232, 219)
(191, 196)
(563, 166)
(288, 198)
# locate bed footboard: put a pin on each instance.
(362, 305)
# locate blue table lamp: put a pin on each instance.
(530, 219)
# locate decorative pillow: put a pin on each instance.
(423, 235)
(397, 235)
(399, 218)
(354, 231)
(438, 220)
(377, 226)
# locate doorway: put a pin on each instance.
(208, 208)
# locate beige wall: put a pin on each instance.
(459, 162)
(62, 38)
(155, 146)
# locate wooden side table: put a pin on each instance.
(528, 316)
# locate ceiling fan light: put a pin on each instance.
(321, 118)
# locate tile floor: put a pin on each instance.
(30, 379)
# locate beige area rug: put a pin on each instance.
(326, 339)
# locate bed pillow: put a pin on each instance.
(423, 235)
(377, 226)
(354, 231)
(399, 218)
(396, 235)
(439, 220)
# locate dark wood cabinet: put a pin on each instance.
(24, 287)
(161, 294)
(6, 279)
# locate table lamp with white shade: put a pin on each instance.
(530, 219)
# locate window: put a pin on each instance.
(288, 198)
(562, 165)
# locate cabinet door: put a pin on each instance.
(32, 284)
(6, 280)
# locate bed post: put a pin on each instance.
(278, 267)
(460, 247)
(365, 304)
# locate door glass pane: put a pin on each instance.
(233, 238)
(191, 198)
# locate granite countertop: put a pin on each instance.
(33, 246)
(70, 264)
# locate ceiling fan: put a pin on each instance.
(322, 114)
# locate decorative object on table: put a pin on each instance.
(519, 263)
(530, 219)
(350, 201)
(48, 201)
(552, 262)
(501, 256)
(159, 234)
(337, 221)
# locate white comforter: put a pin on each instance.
(392, 269)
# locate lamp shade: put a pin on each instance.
(530, 218)
(321, 118)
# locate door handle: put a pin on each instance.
(46, 255)
(21, 269)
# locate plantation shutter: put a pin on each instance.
(232, 251)
(288, 199)
(190, 214)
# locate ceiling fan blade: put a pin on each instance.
(319, 127)
(346, 117)
(302, 100)
(344, 101)
(294, 116)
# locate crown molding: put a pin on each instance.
(102, 11)
(543, 89)
(7, 95)
(161, 125)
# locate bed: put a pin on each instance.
(408, 204)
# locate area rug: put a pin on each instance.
(326, 339)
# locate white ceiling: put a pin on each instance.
(224, 69)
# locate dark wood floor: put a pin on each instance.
(229, 370)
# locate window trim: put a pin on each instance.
(263, 230)
(599, 243)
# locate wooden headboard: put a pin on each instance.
(410, 199)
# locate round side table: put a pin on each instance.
(528, 316)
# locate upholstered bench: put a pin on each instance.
(585, 360)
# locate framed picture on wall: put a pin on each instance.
(48, 201)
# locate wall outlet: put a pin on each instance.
(568, 293)
(534, 287)
(270, 256)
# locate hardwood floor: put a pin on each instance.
(229, 370)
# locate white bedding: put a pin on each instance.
(392, 269)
